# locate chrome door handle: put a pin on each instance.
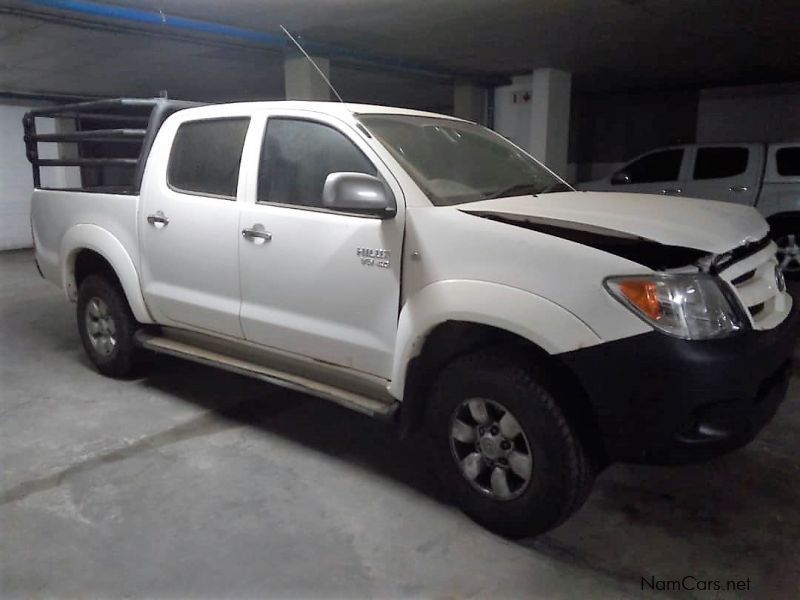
(158, 220)
(671, 191)
(254, 234)
(738, 188)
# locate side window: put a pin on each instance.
(787, 161)
(664, 165)
(717, 163)
(296, 158)
(205, 157)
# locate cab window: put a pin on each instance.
(788, 161)
(205, 157)
(664, 165)
(298, 155)
(720, 162)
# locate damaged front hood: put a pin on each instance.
(705, 225)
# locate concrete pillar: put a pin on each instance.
(301, 79)
(469, 102)
(549, 124)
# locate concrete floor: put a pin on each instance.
(194, 482)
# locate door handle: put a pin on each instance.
(738, 188)
(671, 191)
(256, 234)
(158, 220)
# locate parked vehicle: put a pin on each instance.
(764, 176)
(422, 269)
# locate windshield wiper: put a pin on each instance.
(517, 189)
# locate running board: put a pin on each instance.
(363, 404)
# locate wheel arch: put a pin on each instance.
(440, 324)
(783, 217)
(89, 249)
(452, 339)
(526, 315)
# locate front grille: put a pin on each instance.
(752, 277)
(742, 278)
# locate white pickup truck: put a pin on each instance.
(764, 176)
(422, 269)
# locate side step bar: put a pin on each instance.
(368, 406)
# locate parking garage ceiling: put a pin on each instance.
(609, 45)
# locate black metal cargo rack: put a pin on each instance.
(114, 134)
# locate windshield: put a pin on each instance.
(456, 162)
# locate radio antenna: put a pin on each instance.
(311, 60)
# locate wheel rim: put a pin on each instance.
(100, 327)
(490, 448)
(789, 253)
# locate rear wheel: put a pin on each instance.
(107, 327)
(504, 450)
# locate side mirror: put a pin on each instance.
(620, 178)
(358, 193)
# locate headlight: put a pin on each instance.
(693, 306)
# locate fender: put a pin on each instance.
(546, 324)
(777, 210)
(92, 237)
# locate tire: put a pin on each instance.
(561, 475)
(786, 233)
(107, 326)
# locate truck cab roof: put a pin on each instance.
(339, 109)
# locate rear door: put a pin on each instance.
(657, 172)
(189, 223)
(318, 283)
(726, 172)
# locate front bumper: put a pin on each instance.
(662, 400)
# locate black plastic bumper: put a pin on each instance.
(662, 400)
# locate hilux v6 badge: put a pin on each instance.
(374, 257)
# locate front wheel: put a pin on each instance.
(503, 448)
(107, 327)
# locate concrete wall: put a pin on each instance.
(16, 182)
(605, 129)
(608, 129)
(764, 113)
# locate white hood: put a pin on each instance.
(688, 222)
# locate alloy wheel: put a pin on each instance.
(789, 253)
(490, 448)
(101, 327)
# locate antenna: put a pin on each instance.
(311, 60)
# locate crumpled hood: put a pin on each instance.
(705, 225)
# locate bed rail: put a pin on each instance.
(112, 139)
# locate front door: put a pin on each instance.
(315, 282)
(657, 172)
(189, 226)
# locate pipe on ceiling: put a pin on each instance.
(160, 19)
(146, 17)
